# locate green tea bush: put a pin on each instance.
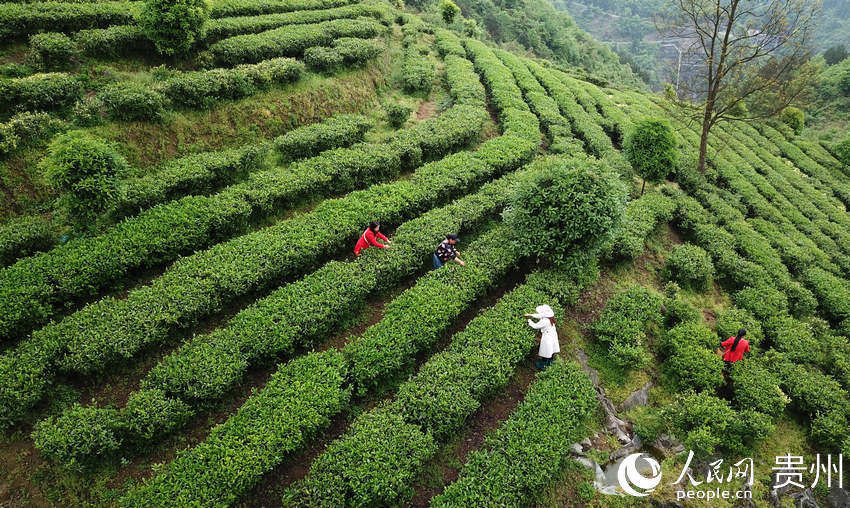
(132, 101)
(690, 266)
(677, 311)
(763, 301)
(731, 320)
(794, 118)
(448, 43)
(707, 424)
(310, 140)
(642, 217)
(624, 323)
(348, 51)
(174, 26)
(150, 414)
(793, 337)
(23, 236)
(113, 42)
(463, 82)
(289, 41)
(418, 69)
(568, 212)
(51, 51)
(45, 92)
(88, 172)
(397, 113)
(842, 151)
(27, 129)
(755, 387)
(689, 334)
(229, 8)
(195, 222)
(651, 149)
(78, 432)
(22, 19)
(832, 292)
(695, 368)
(515, 464)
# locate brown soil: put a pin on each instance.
(426, 110)
(480, 424)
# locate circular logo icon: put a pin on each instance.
(628, 475)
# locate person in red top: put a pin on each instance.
(370, 237)
(735, 347)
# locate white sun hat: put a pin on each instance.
(545, 311)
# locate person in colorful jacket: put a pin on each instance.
(548, 335)
(370, 237)
(735, 347)
(446, 252)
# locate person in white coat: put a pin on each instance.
(548, 335)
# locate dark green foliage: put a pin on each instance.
(347, 51)
(88, 171)
(624, 323)
(651, 149)
(150, 414)
(763, 301)
(677, 311)
(113, 41)
(22, 19)
(707, 424)
(79, 432)
(733, 319)
(689, 334)
(289, 40)
(174, 26)
(228, 8)
(842, 151)
(755, 387)
(835, 54)
(794, 118)
(448, 10)
(310, 140)
(132, 101)
(568, 212)
(518, 461)
(695, 368)
(24, 236)
(418, 69)
(51, 51)
(642, 217)
(690, 266)
(27, 129)
(44, 92)
(397, 113)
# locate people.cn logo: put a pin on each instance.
(628, 475)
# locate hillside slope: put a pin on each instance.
(213, 341)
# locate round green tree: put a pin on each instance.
(87, 171)
(794, 118)
(651, 149)
(174, 25)
(566, 211)
(449, 10)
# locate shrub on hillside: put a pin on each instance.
(695, 368)
(690, 266)
(624, 323)
(755, 387)
(174, 25)
(842, 151)
(132, 101)
(26, 129)
(707, 424)
(151, 413)
(733, 319)
(448, 10)
(762, 301)
(689, 333)
(651, 149)
(397, 114)
(78, 432)
(39, 92)
(50, 51)
(794, 118)
(87, 170)
(566, 214)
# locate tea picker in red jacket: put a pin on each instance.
(370, 237)
(735, 347)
